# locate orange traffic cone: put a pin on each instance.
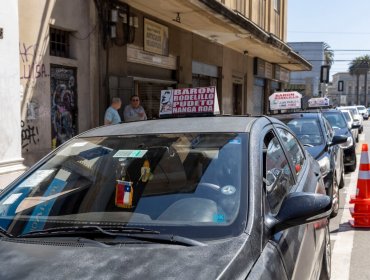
(361, 211)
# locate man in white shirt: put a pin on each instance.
(133, 111)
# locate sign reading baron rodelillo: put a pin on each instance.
(202, 100)
(285, 100)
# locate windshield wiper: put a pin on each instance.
(4, 233)
(114, 231)
(136, 233)
(170, 239)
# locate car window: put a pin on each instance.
(347, 116)
(336, 120)
(294, 150)
(328, 129)
(307, 129)
(163, 181)
(278, 176)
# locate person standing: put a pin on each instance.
(134, 111)
(111, 114)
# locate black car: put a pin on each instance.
(316, 134)
(187, 198)
(340, 127)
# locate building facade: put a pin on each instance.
(308, 82)
(58, 73)
(75, 55)
(343, 90)
(11, 160)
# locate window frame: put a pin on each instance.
(303, 166)
(293, 175)
(64, 42)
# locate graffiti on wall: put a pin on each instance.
(63, 104)
(31, 68)
(30, 135)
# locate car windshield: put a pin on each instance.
(307, 130)
(336, 120)
(184, 184)
(347, 116)
(361, 108)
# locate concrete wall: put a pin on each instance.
(35, 18)
(10, 136)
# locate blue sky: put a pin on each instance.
(343, 24)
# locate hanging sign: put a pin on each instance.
(318, 102)
(189, 101)
(285, 100)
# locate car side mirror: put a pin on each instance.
(300, 208)
(355, 125)
(338, 139)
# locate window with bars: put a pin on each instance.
(59, 42)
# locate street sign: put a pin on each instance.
(189, 101)
(285, 100)
(318, 102)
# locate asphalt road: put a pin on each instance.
(350, 246)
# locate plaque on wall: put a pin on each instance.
(155, 37)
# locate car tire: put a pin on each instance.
(335, 189)
(325, 273)
(352, 167)
(341, 184)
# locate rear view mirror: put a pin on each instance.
(355, 125)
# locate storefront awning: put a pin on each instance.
(154, 81)
(212, 20)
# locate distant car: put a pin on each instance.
(363, 111)
(339, 124)
(315, 132)
(356, 115)
(353, 124)
(185, 198)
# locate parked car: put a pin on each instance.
(339, 124)
(356, 115)
(363, 112)
(186, 198)
(353, 124)
(315, 132)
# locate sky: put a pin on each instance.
(343, 24)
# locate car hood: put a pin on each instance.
(316, 151)
(32, 259)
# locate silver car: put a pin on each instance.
(363, 111)
(352, 124)
(356, 115)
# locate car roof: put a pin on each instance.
(176, 125)
(297, 115)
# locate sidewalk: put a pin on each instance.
(7, 178)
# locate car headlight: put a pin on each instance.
(324, 165)
(347, 144)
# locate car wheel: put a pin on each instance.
(341, 184)
(352, 167)
(335, 197)
(326, 259)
